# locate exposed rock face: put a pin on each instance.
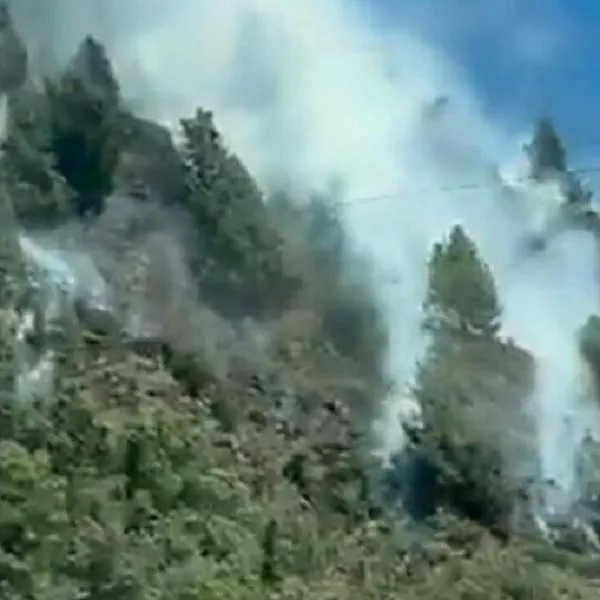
(13, 54)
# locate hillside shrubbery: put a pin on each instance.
(160, 476)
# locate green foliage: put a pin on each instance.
(86, 129)
(548, 160)
(162, 478)
(547, 155)
(240, 252)
(119, 502)
(462, 292)
(14, 57)
(338, 321)
(577, 194)
(588, 464)
(40, 194)
(142, 500)
(469, 381)
(589, 342)
(91, 67)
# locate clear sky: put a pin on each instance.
(525, 57)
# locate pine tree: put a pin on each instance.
(14, 59)
(547, 154)
(465, 383)
(548, 159)
(241, 255)
(87, 125)
(461, 293)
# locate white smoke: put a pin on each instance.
(55, 279)
(312, 90)
(88, 269)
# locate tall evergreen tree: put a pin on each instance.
(466, 382)
(87, 126)
(461, 292)
(548, 159)
(241, 254)
(546, 152)
(14, 59)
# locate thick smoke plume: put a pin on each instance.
(310, 92)
(128, 271)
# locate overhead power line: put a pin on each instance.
(444, 189)
(394, 277)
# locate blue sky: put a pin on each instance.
(525, 57)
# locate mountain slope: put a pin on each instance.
(190, 373)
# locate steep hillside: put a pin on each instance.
(190, 372)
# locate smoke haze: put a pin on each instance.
(313, 93)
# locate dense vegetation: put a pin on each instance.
(152, 475)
